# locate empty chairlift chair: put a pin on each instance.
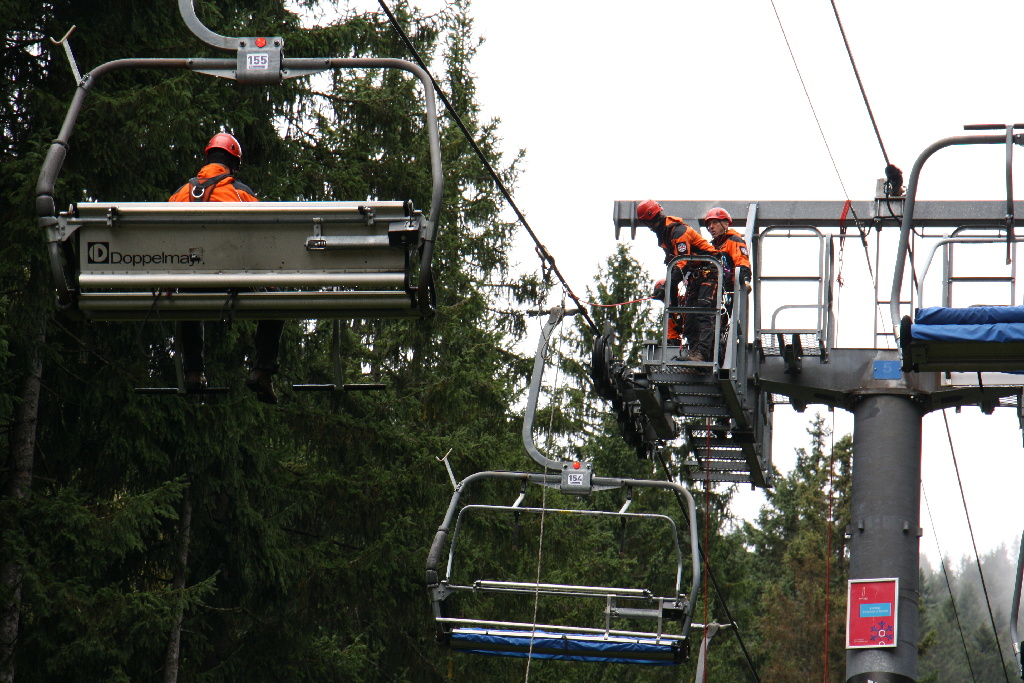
(627, 623)
(977, 338)
(481, 606)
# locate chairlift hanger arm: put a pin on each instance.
(554, 319)
(188, 13)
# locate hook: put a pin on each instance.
(67, 50)
(448, 466)
(65, 38)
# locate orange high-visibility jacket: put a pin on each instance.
(735, 249)
(226, 190)
(679, 239)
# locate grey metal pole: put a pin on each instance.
(885, 521)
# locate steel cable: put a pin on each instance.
(547, 261)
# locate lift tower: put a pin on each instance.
(790, 356)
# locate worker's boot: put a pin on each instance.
(261, 382)
(696, 356)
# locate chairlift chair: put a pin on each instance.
(946, 339)
(269, 260)
(664, 642)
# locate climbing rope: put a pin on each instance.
(621, 303)
(828, 543)
(856, 73)
(807, 94)
(543, 509)
(707, 537)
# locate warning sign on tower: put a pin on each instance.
(871, 610)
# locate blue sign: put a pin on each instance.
(887, 369)
(876, 609)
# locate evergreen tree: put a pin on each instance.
(955, 622)
(292, 539)
(807, 513)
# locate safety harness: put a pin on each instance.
(200, 190)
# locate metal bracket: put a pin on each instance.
(403, 234)
(793, 354)
(629, 500)
(1009, 193)
(576, 478)
(259, 58)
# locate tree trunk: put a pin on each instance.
(172, 660)
(18, 487)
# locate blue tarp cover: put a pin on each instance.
(975, 315)
(994, 332)
(975, 324)
(561, 646)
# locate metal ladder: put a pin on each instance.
(793, 342)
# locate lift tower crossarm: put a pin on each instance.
(852, 373)
(826, 214)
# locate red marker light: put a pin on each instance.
(261, 42)
(575, 465)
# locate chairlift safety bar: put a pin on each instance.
(620, 514)
(562, 589)
(483, 623)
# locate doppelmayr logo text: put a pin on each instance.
(100, 252)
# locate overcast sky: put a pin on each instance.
(696, 100)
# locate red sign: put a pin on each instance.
(871, 610)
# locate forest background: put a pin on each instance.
(148, 538)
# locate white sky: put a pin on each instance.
(701, 101)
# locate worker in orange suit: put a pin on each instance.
(216, 182)
(735, 254)
(677, 239)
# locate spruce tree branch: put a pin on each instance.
(321, 537)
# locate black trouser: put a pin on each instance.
(675, 323)
(699, 328)
(268, 344)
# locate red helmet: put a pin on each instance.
(718, 214)
(648, 210)
(226, 142)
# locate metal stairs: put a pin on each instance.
(719, 414)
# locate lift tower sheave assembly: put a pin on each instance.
(786, 351)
